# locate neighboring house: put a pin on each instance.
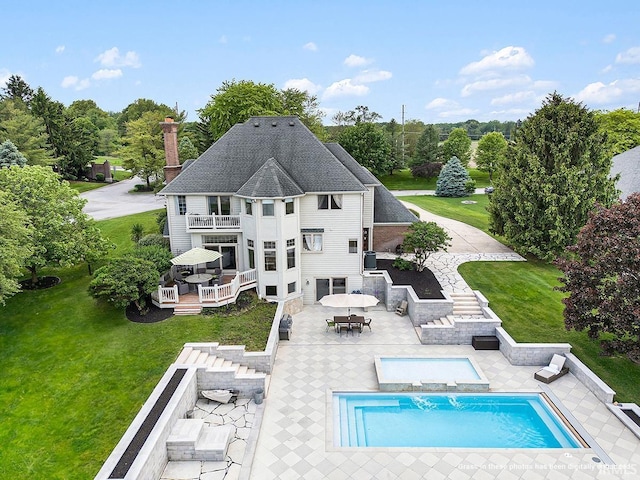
(627, 164)
(268, 195)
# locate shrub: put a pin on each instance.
(427, 170)
(153, 239)
(137, 232)
(470, 187)
(402, 264)
(99, 177)
(156, 254)
(161, 220)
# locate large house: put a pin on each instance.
(270, 196)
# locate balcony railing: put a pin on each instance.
(212, 222)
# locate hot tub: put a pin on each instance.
(448, 373)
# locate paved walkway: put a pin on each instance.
(114, 200)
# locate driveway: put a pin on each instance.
(115, 200)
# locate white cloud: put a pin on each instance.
(223, 39)
(368, 76)
(609, 38)
(607, 69)
(112, 58)
(458, 112)
(599, 93)
(494, 84)
(511, 58)
(310, 46)
(74, 82)
(105, 73)
(69, 81)
(345, 88)
(60, 49)
(440, 103)
(356, 61)
(511, 112)
(302, 84)
(517, 97)
(632, 55)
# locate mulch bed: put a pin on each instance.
(42, 283)
(424, 283)
(154, 314)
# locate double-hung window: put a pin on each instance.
(181, 204)
(291, 253)
(270, 256)
(312, 242)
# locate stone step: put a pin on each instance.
(213, 443)
(467, 311)
(211, 360)
(202, 358)
(193, 356)
(184, 354)
(187, 310)
(190, 439)
(218, 362)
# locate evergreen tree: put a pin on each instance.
(454, 180)
(551, 178)
(427, 146)
(9, 155)
(186, 149)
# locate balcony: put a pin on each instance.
(212, 223)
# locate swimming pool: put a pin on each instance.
(461, 420)
(429, 374)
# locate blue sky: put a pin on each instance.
(444, 61)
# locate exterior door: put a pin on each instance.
(322, 288)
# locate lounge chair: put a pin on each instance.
(183, 288)
(553, 371)
(402, 308)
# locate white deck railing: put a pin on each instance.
(219, 295)
(212, 222)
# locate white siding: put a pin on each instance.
(339, 227)
(180, 239)
(367, 211)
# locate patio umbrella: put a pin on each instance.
(196, 256)
(348, 300)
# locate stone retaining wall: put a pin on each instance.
(601, 390)
(460, 333)
(528, 353)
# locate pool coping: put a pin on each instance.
(330, 446)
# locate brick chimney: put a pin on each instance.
(173, 167)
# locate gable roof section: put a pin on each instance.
(627, 164)
(361, 173)
(270, 181)
(388, 209)
(235, 158)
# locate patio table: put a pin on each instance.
(198, 278)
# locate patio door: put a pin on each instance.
(330, 286)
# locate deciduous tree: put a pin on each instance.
(423, 239)
(15, 245)
(602, 277)
(143, 150)
(492, 149)
(54, 211)
(27, 132)
(621, 128)
(458, 144)
(123, 281)
(551, 178)
(368, 144)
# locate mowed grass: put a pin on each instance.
(403, 180)
(75, 372)
(522, 294)
(474, 214)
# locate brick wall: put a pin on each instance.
(387, 237)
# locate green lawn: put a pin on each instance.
(112, 160)
(522, 295)
(75, 372)
(474, 214)
(402, 180)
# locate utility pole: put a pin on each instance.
(403, 134)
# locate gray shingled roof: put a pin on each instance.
(361, 173)
(231, 161)
(388, 209)
(270, 181)
(627, 164)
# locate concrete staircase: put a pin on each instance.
(442, 321)
(213, 363)
(465, 304)
(190, 439)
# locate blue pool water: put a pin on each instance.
(490, 420)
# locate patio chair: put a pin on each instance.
(356, 326)
(402, 308)
(553, 371)
(343, 326)
(330, 323)
(201, 270)
(367, 323)
(183, 288)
